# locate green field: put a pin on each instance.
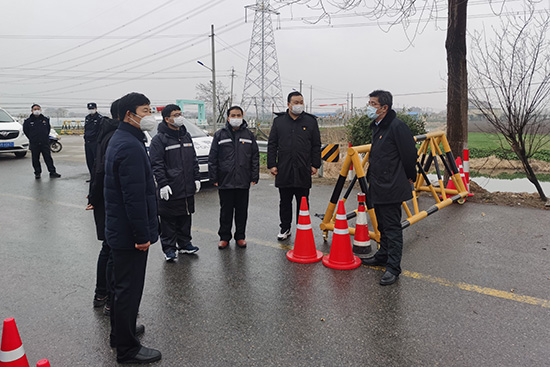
(483, 145)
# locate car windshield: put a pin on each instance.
(4, 117)
(192, 129)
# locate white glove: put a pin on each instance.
(165, 192)
(197, 186)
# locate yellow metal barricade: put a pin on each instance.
(434, 147)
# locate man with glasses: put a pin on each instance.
(391, 172)
(176, 170)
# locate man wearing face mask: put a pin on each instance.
(131, 223)
(92, 126)
(233, 164)
(176, 170)
(391, 172)
(293, 156)
(37, 129)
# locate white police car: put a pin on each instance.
(12, 138)
(201, 141)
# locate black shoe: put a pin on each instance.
(37, 176)
(107, 310)
(54, 175)
(388, 278)
(371, 261)
(145, 355)
(99, 301)
(140, 330)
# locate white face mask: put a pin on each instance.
(371, 112)
(37, 112)
(297, 109)
(147, 123)
(92, 112)
(235, 122)
(178, 121)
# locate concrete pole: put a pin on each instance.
(214, 99)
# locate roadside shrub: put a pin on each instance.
(360, 133)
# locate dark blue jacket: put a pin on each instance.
(234, 159)
(392, 161)
(130, 201)
(294, 146)
(37, 129)
(174, 161)
(92, 127)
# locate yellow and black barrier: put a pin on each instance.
(72, 127)
(330, 152)
(433, 146)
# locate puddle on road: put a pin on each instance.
(516, 185)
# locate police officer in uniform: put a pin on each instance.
(37, 129)
(91, 133)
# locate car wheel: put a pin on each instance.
(20, 154)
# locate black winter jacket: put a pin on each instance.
(130, 201)
(294, 146)
(392, 161)
(174, 161)
(234, 159)
(92, 127)
(37, 129)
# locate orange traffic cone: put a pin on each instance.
(451, 184)
(361, 239)
(341, 256)
(304, 251)
(12, 353)
(43, 363)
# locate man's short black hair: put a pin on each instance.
(35, 105)
(384, 97)
(131, 102)
(114, 110)
(293, 94)
(167, 111)
(234, 108)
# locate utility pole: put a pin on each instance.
(347, 103)
(300, 85)
(214, 99)
(311, 99)
(231, 95)
(352, 104)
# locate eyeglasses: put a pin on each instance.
(177, 114)
(374, 104)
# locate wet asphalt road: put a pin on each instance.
(475, 289)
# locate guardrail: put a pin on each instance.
(262, 146)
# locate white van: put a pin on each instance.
(201, 141)
(12, 139)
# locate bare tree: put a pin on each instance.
(510, 78)
(204, 93)
(413, 16)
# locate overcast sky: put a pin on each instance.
(65, 53)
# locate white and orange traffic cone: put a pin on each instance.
(341, 255)
(12, 353)
(361, 239)
(304, 251)
(450, 184)
(350, 172)
(466, 156)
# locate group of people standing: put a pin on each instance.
(136, 194)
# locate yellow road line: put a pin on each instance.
(427, 278)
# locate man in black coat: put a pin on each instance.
(96, 202)
(391, 173)
(131, 223)
(293, 156)
(92, 126)
(176, 170)
(234, 164)
(37, 129)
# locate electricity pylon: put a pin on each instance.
(262, 85)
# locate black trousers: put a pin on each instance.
(104, 270)
(233, 204)
(391, 236)
(174, 231)
(129, 279)
(44, 149)
(285, 204)
(90, 148)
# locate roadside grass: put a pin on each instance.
(482, 145)
(542, 177)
